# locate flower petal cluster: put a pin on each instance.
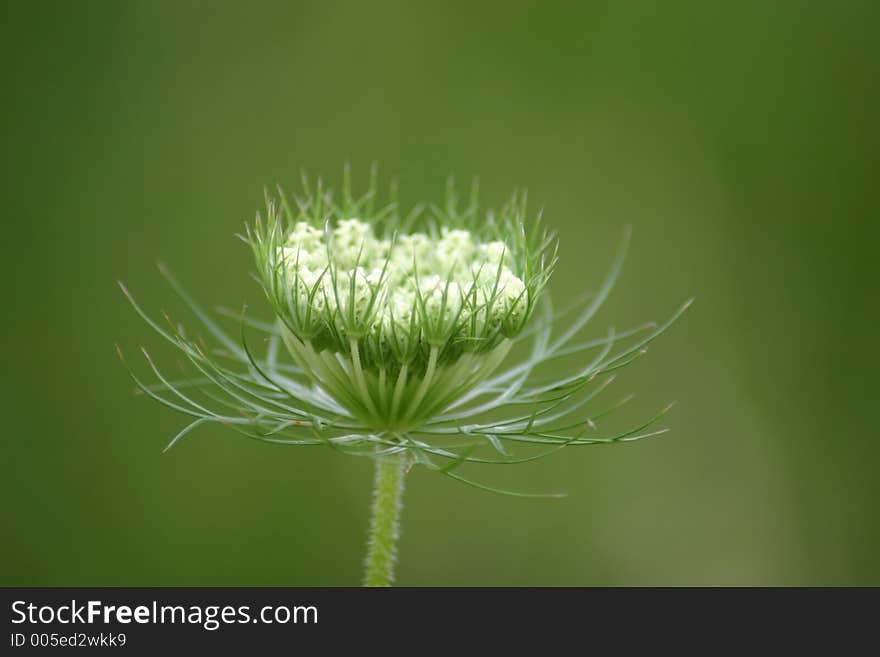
(447, 290)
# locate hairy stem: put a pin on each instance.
(384, 529)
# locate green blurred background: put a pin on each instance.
(739, 140)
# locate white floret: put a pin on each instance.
(455, 249)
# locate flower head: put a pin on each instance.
(410, 320)
(397, 327)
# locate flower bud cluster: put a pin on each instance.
(400, 295)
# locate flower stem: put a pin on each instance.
(384, 530)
